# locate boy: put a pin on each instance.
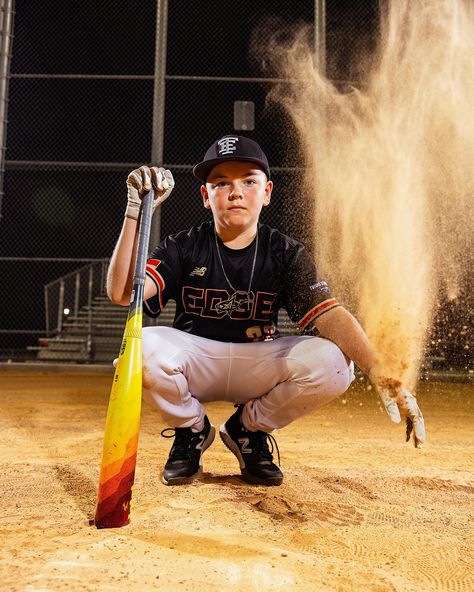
(229, 277)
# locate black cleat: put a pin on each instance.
(252, 452)
(184, 461)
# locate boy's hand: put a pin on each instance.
(400, 402)
(140, 181)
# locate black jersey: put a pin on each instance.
(218, 297)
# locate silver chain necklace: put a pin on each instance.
(251, 273)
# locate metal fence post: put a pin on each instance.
(320, 34)
(6, 27)
(46, 311)
(60, 307)
(77, 290)
(103, 277)
(89, 309)
(159, 101)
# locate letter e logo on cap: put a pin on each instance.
(227, 145)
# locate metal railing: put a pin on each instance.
(68, 294)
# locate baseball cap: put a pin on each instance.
(231, 148)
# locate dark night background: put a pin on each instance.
(71, 141)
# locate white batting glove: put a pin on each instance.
(400, 402)
(140, 181)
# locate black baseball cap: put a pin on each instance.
(231, 148)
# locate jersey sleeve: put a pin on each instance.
(163, 268)
(306, 295)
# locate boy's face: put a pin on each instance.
(235, 192)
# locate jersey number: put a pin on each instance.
(259, 333)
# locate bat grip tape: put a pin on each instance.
(144, 236)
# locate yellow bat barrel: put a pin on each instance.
(122, 426)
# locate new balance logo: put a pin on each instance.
(227, 145)
(244, 445)
(200, 444)
(200, 271)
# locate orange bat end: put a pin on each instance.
(115, 496)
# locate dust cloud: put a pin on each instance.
(389, 166)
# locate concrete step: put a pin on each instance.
(105, 357)
(46, 354)
(62, 347)
(98, 317)
(104, 340)
(103, 309)
(59, 344)
(95, 327)
(64, 339)
(113, 309)
(95, 321)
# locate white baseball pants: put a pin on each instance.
(278, 380)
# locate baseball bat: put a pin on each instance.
(117, 470)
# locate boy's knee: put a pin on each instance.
(325, 367)
(162, 356)
(158, 346)
(152, 338)
(336, 379)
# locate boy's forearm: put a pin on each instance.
(341, 327)
(122, 264)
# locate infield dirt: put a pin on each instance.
(359, 510)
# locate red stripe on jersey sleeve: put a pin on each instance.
(156, 277)
(317, 311)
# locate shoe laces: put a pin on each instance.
(182, 440)
(262, 445)
(262, 441)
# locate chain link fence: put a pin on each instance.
(82, 110)
(81, 117)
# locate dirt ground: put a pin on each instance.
(359, 510)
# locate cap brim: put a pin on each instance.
(201, 171)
